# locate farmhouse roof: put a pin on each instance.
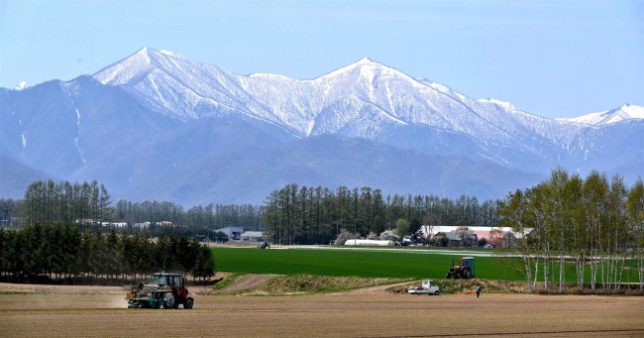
(481, 232)
(252, 234)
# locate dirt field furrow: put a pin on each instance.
(101, 312)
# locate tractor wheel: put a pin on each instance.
(468, 273)
(169, 301)
(436, 293)
(189, 303)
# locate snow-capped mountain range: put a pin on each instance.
(219, 126)
(623, 113)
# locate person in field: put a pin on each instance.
(478, 291)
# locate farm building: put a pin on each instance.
(464, 236)
(368, 242)
(233, 233)
(142, 225)
(461, 237)
(252, 236)
(114, 224)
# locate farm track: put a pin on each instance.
(245, 282)
(98, 311)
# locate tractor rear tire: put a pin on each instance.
(169, 301)
(188, 304)
(468, 273)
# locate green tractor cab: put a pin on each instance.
(167, 290)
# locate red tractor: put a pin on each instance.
(166, 289)
(464, 270)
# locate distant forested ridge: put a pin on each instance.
(315, 215)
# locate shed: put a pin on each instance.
(233, 233)
(252, 236)
(368, 242)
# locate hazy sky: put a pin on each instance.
(549, 58)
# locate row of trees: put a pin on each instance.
(315, 215)
(588, 222)
(210, 216)
(66, 203)
(62, 252)
(87, 203)
(9, 211)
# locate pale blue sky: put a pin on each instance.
(549, 58)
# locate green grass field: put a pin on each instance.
(374, 263)
(357, 263)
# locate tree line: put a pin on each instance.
(89, 203)
(592, 223)
(64, 253)
(66, 203)
(210, 216)
(316, 215)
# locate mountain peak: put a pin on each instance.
(142, 61)
(625, 112)
(21, 85)
(146, 53)
(124, 70)
(631, 111)
(364, 67)
(504, 104)
(368, 62)
(365, 60)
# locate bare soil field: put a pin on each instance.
(28, 310)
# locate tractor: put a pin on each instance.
(165, 289)
(464, 270)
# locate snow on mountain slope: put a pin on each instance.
(210, 127)
(365, 99)
(385, 96)
(623, 113)
(179, 87)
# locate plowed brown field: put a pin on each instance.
(101, 312)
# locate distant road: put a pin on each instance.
(420, 251)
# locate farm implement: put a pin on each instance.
(167, 290)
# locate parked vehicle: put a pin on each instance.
(427, 287)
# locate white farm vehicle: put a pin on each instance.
(426, 288)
